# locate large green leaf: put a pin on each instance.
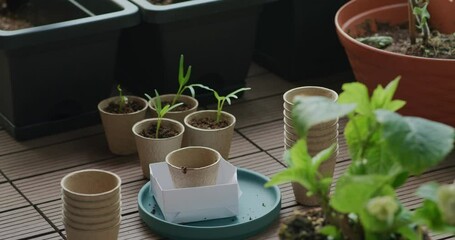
(415, 143)
(356, 93)
(310, 111)
(352, 193)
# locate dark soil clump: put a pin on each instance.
(303, 225)
(163, 132)
(209, 123)
(130, 107)
(438, 46)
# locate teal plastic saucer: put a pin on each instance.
(258, 208)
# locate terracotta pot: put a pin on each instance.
(176, 115)
(193, 166)
(426, 84)
(152, 150)
(218, 139)
(442, 15)
(117, 127)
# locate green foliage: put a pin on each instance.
(222, 99)
(377, 41)
(123, 99)
(160, 111)
(183, 79)
(385, 149)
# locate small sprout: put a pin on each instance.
(123, 100)
(183, 79)
(222, 99)
(160, 111)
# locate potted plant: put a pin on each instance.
(118, 115)
(386, 148)
(59, 56)
(297, 39)
(156, 137)
(212, 128)
(426, 81)
(203, 30)
(189, 103)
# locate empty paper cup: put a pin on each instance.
(306, 91)
(92, 211)
(110, 233)
(90, 227)
(193, 166)
(91, 185)
(95, 219)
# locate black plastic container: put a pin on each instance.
(53, 75)
(297, 39)
(216, 37)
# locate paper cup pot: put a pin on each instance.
(91, 185)
(117, 127)
(152, 150)
(110, 233)
(193, 166)
(289, 96)
(218, 139)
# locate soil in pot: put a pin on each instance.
(130, 107)
(180, 108)
(163, 132)
(303, 225)
(209, 123)
(439, 45)
(10, 20)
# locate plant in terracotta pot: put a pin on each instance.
(118, 115)
(156, 137)
(421, 64)
(212, 128)
(386, 148)
(189, 103)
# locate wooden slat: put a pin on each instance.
(257, 111)
(266, 136)
(10, 198)
(8, 145)
(23, 223)
(2, 178)
(240, 146)
(51, 158)
(51, 236)
(133, 228)
(46, 187)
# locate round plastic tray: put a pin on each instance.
(258, 208)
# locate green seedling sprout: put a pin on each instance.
(160, 111)
(418, 19)
(123, 99)
(222, 99)
(183, 81)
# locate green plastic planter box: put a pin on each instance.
(216, 36)
(53, 75)
(297, 39)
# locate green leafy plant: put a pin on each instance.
(222, 99)
(418, 18)
(183, 79)
(160, 111)
(123, 99)
(385, 149)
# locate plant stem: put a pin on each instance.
(218, 112)
(158, 123)
(412, 22)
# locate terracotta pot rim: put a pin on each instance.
(144, 108)
(195, 147)
(342, 32)
(154, 120)
(194, 100)
(209, 111)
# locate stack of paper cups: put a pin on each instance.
(319, 137)
(91, 205)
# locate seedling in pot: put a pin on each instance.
(222, 99)
(123, 100)
(123, 105)
(160, 111)
(183, 79)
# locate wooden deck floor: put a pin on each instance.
(30, 171)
